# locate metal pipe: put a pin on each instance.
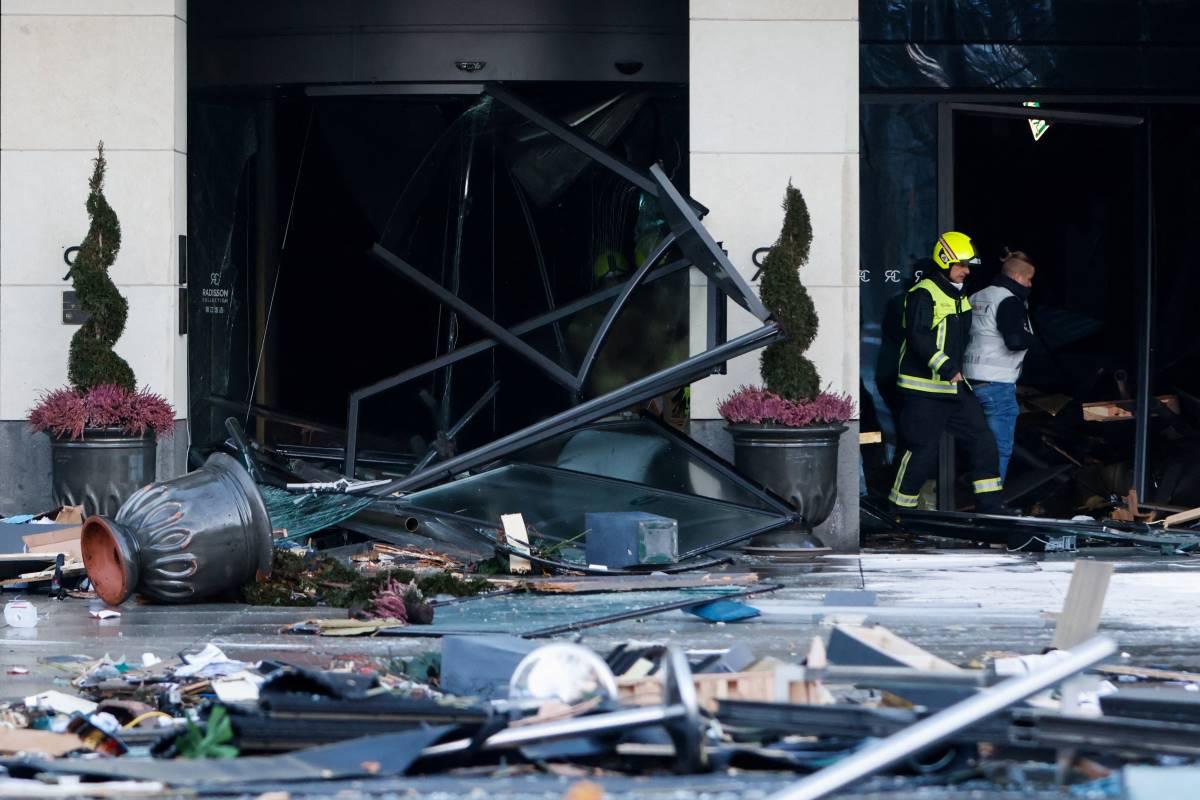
(628, 395)
(454, 431)
(1145, 355)
(626, 719)
(477, 317)
(944, 724)
(358, 395)
(679, 714)
(582, 143)
(712, 260)
(615, 309)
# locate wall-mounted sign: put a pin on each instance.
(73, 313)
(215, 297)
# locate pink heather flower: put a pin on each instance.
(65, 412)
(60, 413)
(756, 406)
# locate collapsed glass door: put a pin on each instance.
(601, 353)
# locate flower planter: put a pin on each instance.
(197, 536)
(101, 470)
(798, 464)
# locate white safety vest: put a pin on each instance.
(987, 357)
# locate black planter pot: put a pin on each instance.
(193, 537)
(798, 464)
(101, 470)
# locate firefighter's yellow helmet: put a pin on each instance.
(953, 247)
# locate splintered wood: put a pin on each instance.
(767, 681)
(517, 538)
(1080, 617)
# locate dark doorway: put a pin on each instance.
(1068, 195)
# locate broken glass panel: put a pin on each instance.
(643, 451)
(485, 230)
(553, 503)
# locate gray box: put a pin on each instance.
(619, 539)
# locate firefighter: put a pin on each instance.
(936, 398)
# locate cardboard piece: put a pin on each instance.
(854, 645)
(25, 740)
(518, 539)
(55, 539)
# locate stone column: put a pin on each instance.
(773, 88)
(72, 73)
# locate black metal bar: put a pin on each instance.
(618, 304)
(431, 453)
(1050, 115)
(718, 267)
(1145, 365)
(945, 213)
(369, 89)
(617, 400)
(581, 143)
(636, 613)
(547, 290)
(716, 318)
(474, 348)
(274, 416)
(477, 318)
(720, 465)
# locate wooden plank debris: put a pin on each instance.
(517, 538)
(857, 645)
(1181, 518)
(1121, 410)
(1080, 617)
(1149, 673)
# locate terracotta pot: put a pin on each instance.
(193, 537)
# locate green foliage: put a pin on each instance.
(785, 370)
(92, 361)
(212, 742)
(308, 581)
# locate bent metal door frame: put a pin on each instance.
(1145, 283)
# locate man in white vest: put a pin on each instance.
(1000, 336)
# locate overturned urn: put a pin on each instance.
(197, 536)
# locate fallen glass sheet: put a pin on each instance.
(650, 452)
(585, 360)
(554, 501)
(1018, 532)
(300, 514)
(536, 615)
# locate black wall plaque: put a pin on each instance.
(72, 313)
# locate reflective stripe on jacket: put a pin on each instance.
(936, 326)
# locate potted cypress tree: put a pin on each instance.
(102, 430)
(786, 433)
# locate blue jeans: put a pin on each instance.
(999, 401)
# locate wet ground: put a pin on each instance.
(958, 604)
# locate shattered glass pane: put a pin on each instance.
(641, 451)
(554, 502)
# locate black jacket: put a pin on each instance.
(920, 337)
(1012, 317)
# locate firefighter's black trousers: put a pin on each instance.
(922, 422)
